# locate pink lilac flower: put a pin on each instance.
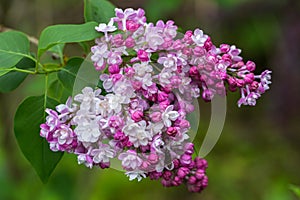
(150, 80)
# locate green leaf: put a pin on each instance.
(58, 92)
(68, 74)
(68, 33)
(14, 46)
(98, 10)
(13, 79)
(30, 114)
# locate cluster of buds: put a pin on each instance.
(150, 77)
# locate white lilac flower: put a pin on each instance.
(137, 133)
(130, 160)
(146, 80)
(100, 53)
(106, 28)
(137, 174)
(169, 62)
(107, 82)
(103, 153)
(199, 38)
(142, 68)
(153, 37)
(169, 115)
(88, 131)
(115, 102)
(124, 88)
(88, 99)
(155, 128)
(164, 77)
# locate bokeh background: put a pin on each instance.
(258, 154)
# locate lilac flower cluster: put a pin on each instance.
(150, 78)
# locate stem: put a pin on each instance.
(23, 70)
(46, 91)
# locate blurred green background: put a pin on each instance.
(258, 154)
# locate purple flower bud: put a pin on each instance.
(200, 173)
(208, 44)
(162, 96)
(155, 116)
(118, 40)
(167, 175)
(155, 175)
(144, 165)
(194, 71)
(153, 158)
(184, 123)
(207, 95)
(164, 104)
(189, 148)
(143, 55)
(137, 85)
(132, 25)
(249, 78)
(192, 180)
(129, 71)
(114, 69)
(226, 58)
(129, 42)
(182, 172)
(137, 115)
(250, 66)
(172, 131)
(224, 48)
(185, 159)
(240, 82)
(199, 51)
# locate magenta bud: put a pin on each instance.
(131, 25)
(250, 66)
(199, 51)
(153, 158)
(155, 116)
(143, 55)
(192, 180)
(249, 78)
(114, 69)
(194, 71)
(199, 174)
(224, 48)
(164, 104)
(207, 95)
(129, 42)
(162, 96)
(240, 82)
(167, 175)
(172, 131)
(137, 115)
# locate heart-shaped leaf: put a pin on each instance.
(30, 114)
